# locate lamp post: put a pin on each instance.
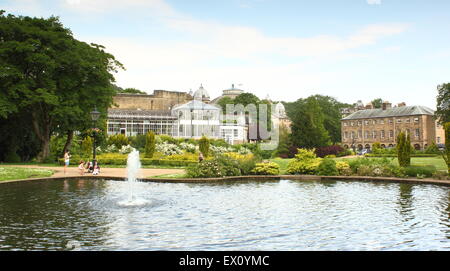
(94, 116)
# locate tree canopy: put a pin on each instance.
(54, 78)
(443, 103)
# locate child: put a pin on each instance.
(96, 170)
(81, 167)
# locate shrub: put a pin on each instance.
(343, 168)
(125, 149)
(168, 148)
(150, 144)
(118, 140)
(417, 171)
(204, 146)
(327, 168)
(305, 162)
(86, 146)
(267, 168)
(189, 147)
(12, 157)
(404, 149)
(432, 149)
(329, 150)
(138, 142)
(220, 166)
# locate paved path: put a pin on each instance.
(113, 172)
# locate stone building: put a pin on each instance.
(364, 127)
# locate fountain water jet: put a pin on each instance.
(133, 167)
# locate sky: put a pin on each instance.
(398, 50)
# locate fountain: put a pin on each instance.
(133, 167)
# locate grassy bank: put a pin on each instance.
(14, 173)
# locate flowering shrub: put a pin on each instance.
(244, 150)
(111, 149)
(189, 147)
(125, 149)
(168, 148)
(182, 157)
(304, 162)
(329, 150)
(343, 168)
(268, 168)
(220, 150)
(220, 166)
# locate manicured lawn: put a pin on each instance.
(169, 176)
(283, 163)
(437, 161)
(14, 173)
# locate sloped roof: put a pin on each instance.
(391, 112)
(140, 114)
(196, 105)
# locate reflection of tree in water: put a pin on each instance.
(405, 201)
(49, 214)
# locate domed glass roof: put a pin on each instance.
(201, 94)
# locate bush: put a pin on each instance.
(12, 157)
(343, 168)
(118, 140)
(432, 149)
(168, 148)
(220, 166)
(404, 149)
(204, 146)
(327, 168)
(305, 162)
(267, 168)
(86, 146)
(150, 144)
(329, 150)
(420, 171)
(138, 142)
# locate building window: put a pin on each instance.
(381, 121)
(382, 134)
(399, 121)
(235, 133)
(391, 121)
(407, 120)
(359, 123)
(366, 135)
(366, 122)
(374, 134)
(438, 139)
(375, 122)
(353, 135)
(352, 123)
(345, 134)
(417, 133)
(359, 134)
(391, 133)
(416, 120)
(345, 124)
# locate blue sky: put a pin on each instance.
(398, 50)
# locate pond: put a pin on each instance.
(250, 215)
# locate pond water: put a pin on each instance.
(271, 215)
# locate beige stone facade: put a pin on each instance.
(160, 100)
(363, 128)
(440, 134)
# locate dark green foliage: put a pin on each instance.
(446, 153)
(443, 103)
(138, 142)
(118, 140)
(150, 144)
(420, 171)
(53, 77)
(12, 157)
(220, 166)
(204, 146)
(404, 149)
(432, 149)
(327, 168)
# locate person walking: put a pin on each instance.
(66, 161)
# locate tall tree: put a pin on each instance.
(308, 130)
(443, 103)
(377, 103)
(52, 76)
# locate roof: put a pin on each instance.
(391, 112)
(196, 105)
(140, 114)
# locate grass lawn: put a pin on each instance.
(14, 173)
(283, 163)
(169, 176)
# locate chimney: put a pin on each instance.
(369, 106)
(402, 104)
(386, 105)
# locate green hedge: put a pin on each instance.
(395, 155)
(123, 162)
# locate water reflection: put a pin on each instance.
(272, 215)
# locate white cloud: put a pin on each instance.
(101, 6)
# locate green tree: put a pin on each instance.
(224, 101)
(53, 77)
(150, 144)
(132, 91)
(308, 130)
(446, 153)
(86, 146)
(377, 103)
(404, 149)
(203, 145)
(443, 103)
